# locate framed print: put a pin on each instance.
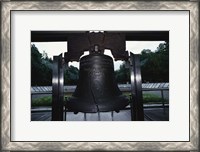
(97, 26)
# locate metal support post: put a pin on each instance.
(57, 88)
(136, 88)
(163, 101)
(65, 113)
(132, 108)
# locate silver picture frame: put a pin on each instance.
(8, 6)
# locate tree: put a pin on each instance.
(122, 75)
(155, 65)
(71, 75)
(41, 68)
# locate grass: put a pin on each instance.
(147, 98)
(150, 98)
(43, 101)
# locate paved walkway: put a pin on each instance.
(151, 114)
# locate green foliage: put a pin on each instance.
(43, 101)
(149, 98)
(152, 98)
(122, 75)
(71, 75)
(155, 65)
(41, 68)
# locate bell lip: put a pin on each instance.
(72, 107)
(96, 111)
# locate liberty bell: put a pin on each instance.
(97, 90)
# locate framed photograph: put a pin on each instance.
(23, 76)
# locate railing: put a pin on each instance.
(124, 90)
(121, 86)
(146, 87)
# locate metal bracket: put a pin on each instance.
(137, 111)
(57, 88)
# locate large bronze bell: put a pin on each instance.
(97, 90)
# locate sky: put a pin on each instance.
(56, 48)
